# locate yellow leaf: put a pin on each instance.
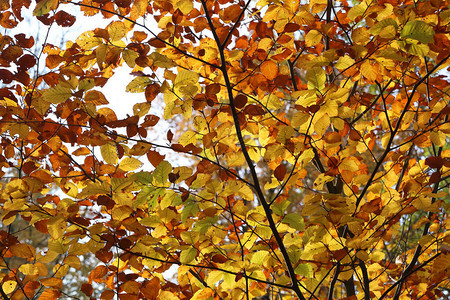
(305, 270)
(357, 10)
(362, 255)
(28, 269)
(185, 6)
(9, 286)
(438, 138)
(422, 203)
(73, 261)
(272, 102)
(306, 156)
(344, 62)
(259, 257)
(321, 180)
(316, 78)
(117, 31)
(141, 109)
(321, 124)
(130, 164)
(57, 94)
(235, 159)
(109, 153)
(235, 55)
(57, 246)
(88, 40)
(369, 71)
(138, 9)
(56, 227)
(23, 250)
(138, 84)
(120, 213)
(425, 240)
(190, 237)
(187, 138)
(312, 38)
(165, 295)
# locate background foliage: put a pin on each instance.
(307, 156)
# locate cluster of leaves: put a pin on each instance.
(317, 132)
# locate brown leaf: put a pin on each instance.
(240, 101)
(219, 258)
(155, 158)
(64, 19)
(435, 162)
(279, 172)
(87, 289)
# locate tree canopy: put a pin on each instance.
(306, 156)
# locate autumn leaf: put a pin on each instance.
(251, 150)
(43, 7)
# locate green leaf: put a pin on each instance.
(129, 56)
(57, 94)
(44, 7)
(143, 196)
(418, 30)
(304, 270)
(202, 226)
(144, 177)
(188, 255)
(161, 61)
(377, 28)
(295, 221)
(161, 173)
(190, 209)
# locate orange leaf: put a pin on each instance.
(332, 137)
(97, 273)
(269, 69)
(23, 251)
